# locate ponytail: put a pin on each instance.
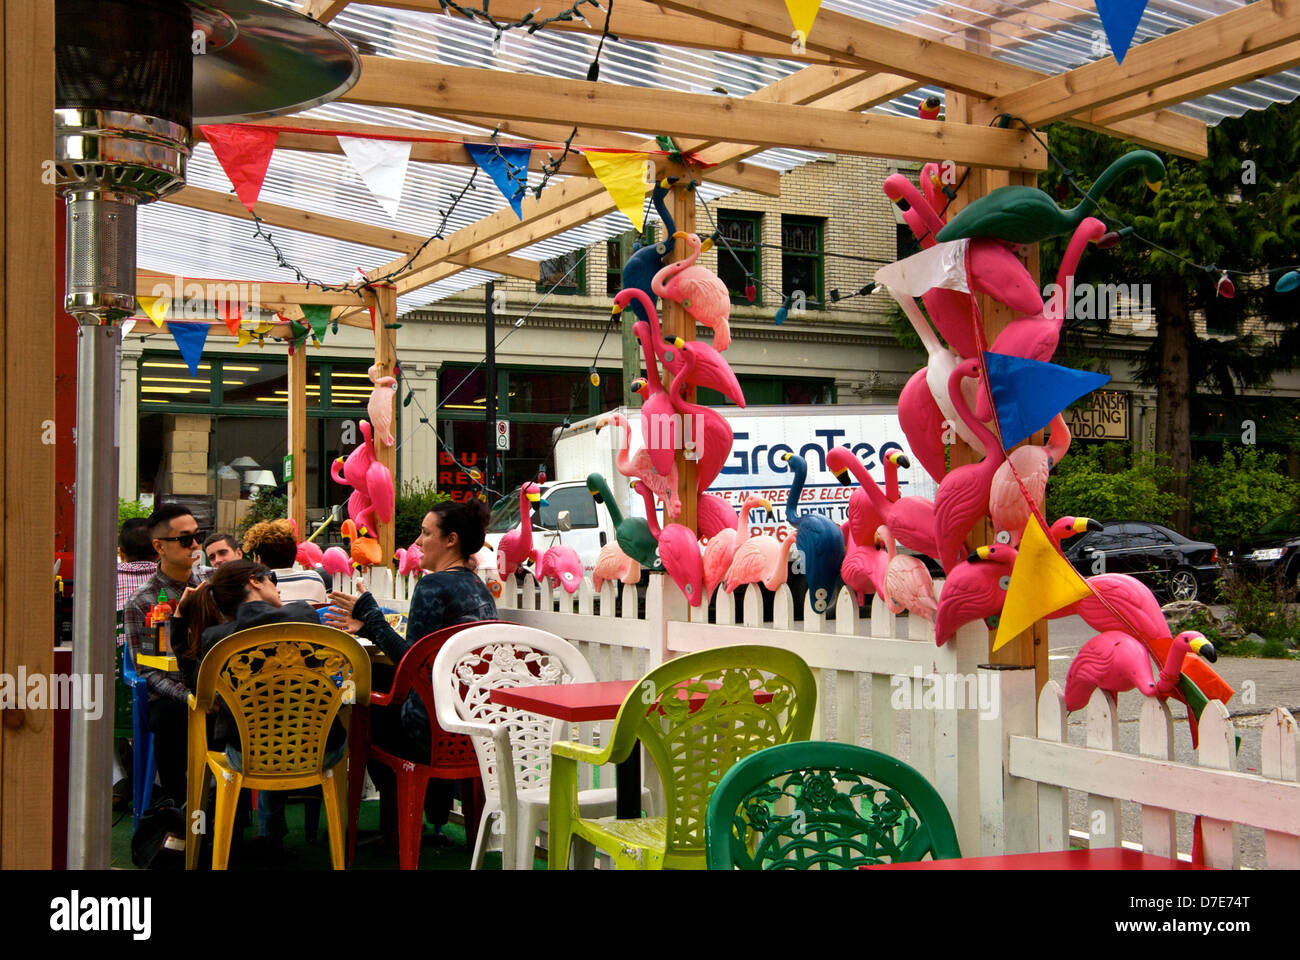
(199, 612)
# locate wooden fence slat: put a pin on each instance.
(1278, 762)
(1218, 751)
(1053, 801)
(1156, 740)
(1104, 827)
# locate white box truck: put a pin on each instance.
(761, 436)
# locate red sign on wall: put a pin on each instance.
(456, 482)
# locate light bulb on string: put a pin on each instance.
(1288, 281)
(1225, 287)
(751, 292)
(782, 312)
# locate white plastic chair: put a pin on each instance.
(518, 788)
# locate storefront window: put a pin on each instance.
(169, 380)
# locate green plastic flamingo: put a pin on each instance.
(633, 533)
(1023, 214)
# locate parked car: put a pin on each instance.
(1273, 549)
(1169, 563)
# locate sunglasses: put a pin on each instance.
(185, 539)
(258, 578)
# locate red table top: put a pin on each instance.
(1103, 858)
(580, 702)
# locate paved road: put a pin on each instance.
(1260, 684)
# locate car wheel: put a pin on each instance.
(1183, 585)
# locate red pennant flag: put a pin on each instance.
(244, 152)
(232, 314)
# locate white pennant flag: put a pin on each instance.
(382, 166)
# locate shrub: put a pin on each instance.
(1104, 482)
(266, 506)
(1233, 498)
(1261, 607)
(127, 509)
(414, 500)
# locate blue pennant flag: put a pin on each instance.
(190, 338)
(1029, 393)
(508, 168)
(1120, 19)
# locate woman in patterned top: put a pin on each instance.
(449, 593)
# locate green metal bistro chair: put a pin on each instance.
(697, 716)
(825, 806)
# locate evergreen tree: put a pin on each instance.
(1239, 209)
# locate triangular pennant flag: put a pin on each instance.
(623, 175)
(508, 168)
(232, 315)
(381, 165)
(802, 14)
(1120, 20)
(1042, 582)
(1029, 393)
(245, 338)
(190, 338)
(244, 152)
(318, 316)
(298, 332)
(155, 308)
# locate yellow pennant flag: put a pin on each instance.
(624, 176)
(155, 308)
(245, 338)
(1042, 582)
(802, 15)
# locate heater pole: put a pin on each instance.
(90, 764)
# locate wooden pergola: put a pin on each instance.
(850, 65)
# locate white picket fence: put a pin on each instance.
(997, 755)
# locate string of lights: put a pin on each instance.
(529, 22)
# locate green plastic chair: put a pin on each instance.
(825, 806)
(697, 716)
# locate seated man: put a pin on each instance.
(137, 562)
(222, 548)
(273, 544)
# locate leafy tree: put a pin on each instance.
(128, 509)
(1105, 482)
(1233, 498)
(1238, 209)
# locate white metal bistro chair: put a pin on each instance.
(513, 747)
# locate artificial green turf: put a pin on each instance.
(301, 855)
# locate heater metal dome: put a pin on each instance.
(133, 77)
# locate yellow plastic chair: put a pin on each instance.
(284, 684)
(697, 716)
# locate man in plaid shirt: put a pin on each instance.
(137, 560)
(176, 537)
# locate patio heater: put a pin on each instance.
(132, 78)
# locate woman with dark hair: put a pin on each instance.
(449, 593)
(240, 594)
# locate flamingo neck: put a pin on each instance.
(891, 480)
(992, 456)
(670, 225)
(796, 491)
(1173, 667)
(1102, 184)
(651, 512)
(525, 518)
(1058, 441)
(742, 531)
(621, 459)
(615, 513)
(659, 282)
(868, 483)
(1073, 254)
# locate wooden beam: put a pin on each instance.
(1230, 74)
(384, 300)
(1248, 31)
(438, 89)
(27, 389)
(296, 417)
(151, 283)
(322, 10)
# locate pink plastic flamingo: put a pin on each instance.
(1114, 661)
(380, 405)
(679, 550)
(922, 423)
(907, 584)
(963, 496)
(910, 518)
(859, 569)
(614, 564)
(707, 435)
(714, 372)
(713, 515)
(762, 559)
(372, 499)
(1036, 335)
(336, 561)
(720, 550)
(663, 486)
(561, 564)
(975, 589)
(516, 547)
(309, 554)
(1007, 504)
(700, 292)
(409, 560)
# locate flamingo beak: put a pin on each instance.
(617, 309)
(631, 484)
(679, 343)
(637, 385)
(1083, 524)
(900, 459)
(600, 424)
(844, 478)
(1155, 185)
(786, 457)
(981, 553)
(1203, 649)
(680, 235)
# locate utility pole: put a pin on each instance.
(492, 460)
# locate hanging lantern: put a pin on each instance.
(1225, 287)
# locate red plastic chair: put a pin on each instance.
(452, 755)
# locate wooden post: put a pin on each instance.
(298, 439)
(27, 298)
(1029, 648)
(678, 323)
(384, 299)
